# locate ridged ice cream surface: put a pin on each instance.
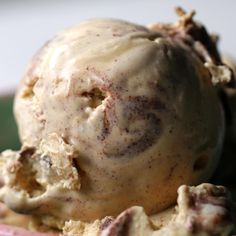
(111, 115)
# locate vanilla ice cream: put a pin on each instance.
(111, 115)
(202, 210)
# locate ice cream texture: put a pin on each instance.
(112, 115)
(202, 210)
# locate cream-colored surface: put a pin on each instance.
(204, 210)
(11, 218)
(111, 115)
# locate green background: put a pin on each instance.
(8, 130)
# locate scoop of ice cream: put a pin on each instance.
(203, 210)
(111, 115)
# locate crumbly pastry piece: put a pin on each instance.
(204, 210)
(50, 166)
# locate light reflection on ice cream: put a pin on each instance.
(111, 115)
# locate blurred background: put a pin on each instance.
(25, 25)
